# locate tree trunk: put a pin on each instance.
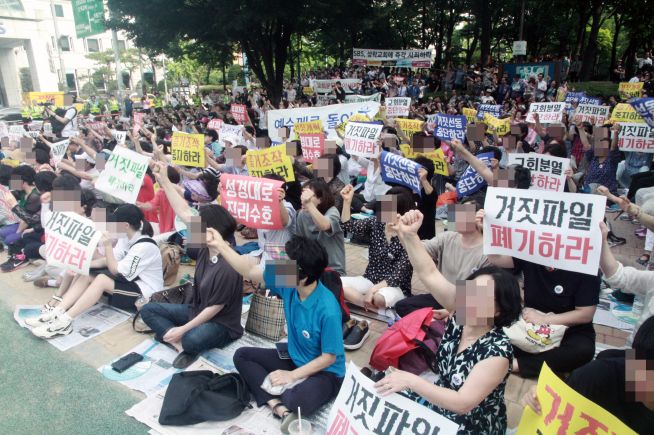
(224, 80)
(581, 32)
(485, 34)
(617, 19)
(588, 60)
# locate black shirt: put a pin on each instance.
(218, 284)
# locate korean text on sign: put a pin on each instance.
(252, 201)
(123, 174)
(409, 126)
(500, 127)
(624, 112)
(58, 150)
(400, 170)
(240, 113)
(470, 114)
(630, 90)
(561, 232)
(313, 146)
(436, 156)
(645, 108)
(397, 106)
(450, 127)
(361, 139)
(188, 149)
(636, 137)
(547, 172)
(359, 409)
(548, 113)
(590, 113)
(493, 109)
(563, 410)
(215, 124)
(270, 161)
(471, 181)
(70, 241)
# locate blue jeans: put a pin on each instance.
(8, 234)
(162, 317)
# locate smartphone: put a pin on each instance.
(282, 350)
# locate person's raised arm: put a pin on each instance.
(583, 136)
(347, 193)
(477, 165)
(245, 265)
(322, 222)
(628, 207)
(176, 200)
(616, 133)
(89, 150)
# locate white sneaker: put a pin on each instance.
(48, 314)
(61, 325)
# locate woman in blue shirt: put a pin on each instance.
(315, 335)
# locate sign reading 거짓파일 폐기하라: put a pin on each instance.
(399, 58)
(591, 112)
(123, 174)
(89, 17)
(638, 137)
(560, 231)
(70, 241)
(253, 201)
(361, 139)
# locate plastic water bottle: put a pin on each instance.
(637, 307)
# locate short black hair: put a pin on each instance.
(643, 342)
(26, 173)
(42, 156)
(43, 181)
(5, 174)
(522, 177)
(507, 294)
(217, 217)
(310, 256)
(66, 182)
(476, 198)
(212, 133)
(321, 189)
(556, 149)
(404, 198)
(426, 163)
(336, 164)
(173, 175)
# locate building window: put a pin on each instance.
(59, 11)
(64, 43)
(92, 45)
(70, 81)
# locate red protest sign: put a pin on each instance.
(252, 201)
(313, 146)
(215, 124)
(240, 113)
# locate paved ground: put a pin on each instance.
(116, 342)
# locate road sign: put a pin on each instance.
(89, 17)
(519, 48)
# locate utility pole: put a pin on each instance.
(141, 72)
(119, 73)
(62, 75)
(163, 59)
(522, 18)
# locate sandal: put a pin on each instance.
(47, 307)
(643, 260)
(276, 415)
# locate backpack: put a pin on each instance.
(197, 396)
(58, 127)
(401, 338)
(332, 280)
(423, 357)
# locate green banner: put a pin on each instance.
(89, 17)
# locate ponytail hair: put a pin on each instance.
(146, 228)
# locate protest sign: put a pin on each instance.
(624, 112)
(215, 124)
(471, 181)
(409, 126)
(450, 127)
(400, 170)
(492, 109)
(270, 161)
(470, 114)
(123, 174)
(227, 130)
(500, 127)
(359, 409)
(119, 136)
(436, 156)
(547, 172)
(519, 48)
(548, 113)
(573, 97)
(188, 149)
(630, 90)
(357, 117)
(138, 122)
(397, 106)
(399, 58)
(590, 113)
(585, 99)
(636, 137)
(330, 116)
(252, 201)
(561, 232)
(361, 139)
(307, 90)
(58, 150)
(312, 127)
(240, 113)
(327, 86)
(313, 146)
(70, 240)
(563, 410)
(361, 98)
(17, 130)
(645, 108)
(95, 125)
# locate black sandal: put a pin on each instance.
(276, 415)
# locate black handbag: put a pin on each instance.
(197, 396)
(181, 294)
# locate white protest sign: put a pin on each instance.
(547, 172)
(519, 48)
(397, 107)
(560, 232)
(324, 100)
(361, 139)
(4, 131)
(636, 137)
(548, 113)
(17, 130)
(417, 58)
(123, 174)
(361, 98)
(215, 124)
(359, 409)
(119, 136)
(592, 112)
(58, 150)
(70, 240)
(326, 86)
(331, 116)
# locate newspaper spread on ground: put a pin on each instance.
(223, 358)
(150, 375)
(92, 322)
(615, 315)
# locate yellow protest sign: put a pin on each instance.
(625, 112)
(630, 90)
(311, 127)
(436, 156)
(307, 90)
(188, 149)
(357, 117)
(501, 127)
(409, 126)
(270, 161)
(566, 411)
(470, 114)
(560, 94)
(44, 97)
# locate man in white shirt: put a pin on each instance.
(69, 120)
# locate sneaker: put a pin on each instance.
(15, 263)
(48, 314)
(357, 336)
(347, 327)
(60, 325)
(185, 359)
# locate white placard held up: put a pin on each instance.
(637, 137)
(548, 113)
(546, 171)
(123, 174)
(70, 240)
(519, 48)
(361, 139)
(397, 107)
(58, 150)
